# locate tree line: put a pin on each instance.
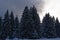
(30, 26)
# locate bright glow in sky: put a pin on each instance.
(53, 7)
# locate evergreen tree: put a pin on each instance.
(49, 30)
(6, 25)
(35, 22)
(0, 24)
(17, 27)
(25, 24)
(57, 25)
(53, 29)
(30, 23)
(1, 28)
(12, 25)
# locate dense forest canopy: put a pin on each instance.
(30, 26)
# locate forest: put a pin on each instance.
(30, 26)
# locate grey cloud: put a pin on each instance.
(17, 6)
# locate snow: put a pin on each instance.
(34, 39)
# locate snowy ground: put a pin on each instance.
(34, 39)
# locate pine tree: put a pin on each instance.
(6, 25)
(12, 25)
(57, 25)
(30, 23)
(49, 30)
(17, 27)
(25, 25)
(35, 22)
(1, 26)
(53, 29)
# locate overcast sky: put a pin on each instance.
(43, 6)
(17, 6)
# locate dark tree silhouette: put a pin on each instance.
(49, 27)
(57, 25)
(6, 25)
(30, 26)
(1, 26)
(12, 25)
(35, 22)
(25, 23)
(30, 23)
(17, 27)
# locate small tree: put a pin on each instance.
(17, 27)
(6, 25)
(1, 26)
(57, 25)
(12, 25)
